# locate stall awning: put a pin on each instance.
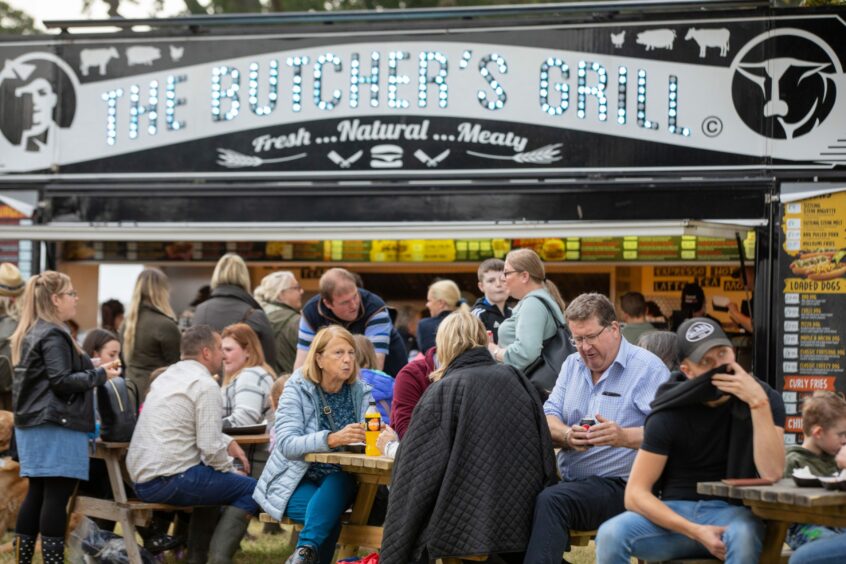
(76, 231)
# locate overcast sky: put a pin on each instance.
(72, 9)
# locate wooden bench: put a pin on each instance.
(581, 538)
(351, 535)
(577, 538)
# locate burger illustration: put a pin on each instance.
(552, 249)
(386, 156)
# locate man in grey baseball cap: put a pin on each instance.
(711, 420)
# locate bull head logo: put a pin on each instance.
(781, 96)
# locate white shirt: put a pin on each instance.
(179, 426)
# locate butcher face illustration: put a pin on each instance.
(779, 95)
(32, 111)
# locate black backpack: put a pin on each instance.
(544, 371)
(117, 414)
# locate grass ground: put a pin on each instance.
(260, 548)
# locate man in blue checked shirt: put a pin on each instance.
(342, 302)
(612, 382)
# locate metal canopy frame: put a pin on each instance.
(417, 14)
(223, 231)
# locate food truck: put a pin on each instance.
(636, 146)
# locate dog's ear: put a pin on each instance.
(7, 426)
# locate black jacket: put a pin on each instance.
(53, 382)
(490, 315)
(475, 457)
(230, 304)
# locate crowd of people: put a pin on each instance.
(490, 459)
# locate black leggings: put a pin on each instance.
(45, 508)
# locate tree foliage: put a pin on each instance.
(199, 7)
(15, 22)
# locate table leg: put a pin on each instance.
(128, 529)
(362, 505)
(773, 541)
(127, 526)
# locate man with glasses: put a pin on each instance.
(595, 413)
(342, 302)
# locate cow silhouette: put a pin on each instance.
(709, 38)
(96, 58)
(656, 39)
(798, 94)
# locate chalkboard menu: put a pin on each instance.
(812, 269)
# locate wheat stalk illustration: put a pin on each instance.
(234, 159)
(545, 155)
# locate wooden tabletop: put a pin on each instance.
(352, 460)
(783, 492)
(261, 439)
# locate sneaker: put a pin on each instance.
(162, 543)
(303, 555)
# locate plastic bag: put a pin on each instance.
(91, 545)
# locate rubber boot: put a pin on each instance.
(24, 549)
(53, 550)
(200, 529)
(228, 534)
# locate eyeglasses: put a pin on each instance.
(72, 294)
(296, 288)
(587, 339)
(507, 273)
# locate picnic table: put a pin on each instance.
(370, 472)
(782, 504)
(131, 513)
(119, 509)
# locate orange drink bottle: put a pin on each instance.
(372, 428)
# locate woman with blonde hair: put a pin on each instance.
(535, 318)
(480, 423)
(247, 378)
(281, 296)
(231, 302)
(443, 298)
(321, 409)
(54, 412)
(150, 334)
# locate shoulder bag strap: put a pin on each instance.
(552, 313)
(327, 411)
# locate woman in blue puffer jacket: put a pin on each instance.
(316, 494)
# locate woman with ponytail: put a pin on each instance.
(150, 333)
(54, 412)
(521, 336)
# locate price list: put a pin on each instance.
(812, 356)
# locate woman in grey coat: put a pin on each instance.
(231, 302)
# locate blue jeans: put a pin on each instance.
(828, 550)
(631, 534)
(201, 485)
(319, 505)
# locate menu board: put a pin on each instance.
(550, 249)
(812, 268)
